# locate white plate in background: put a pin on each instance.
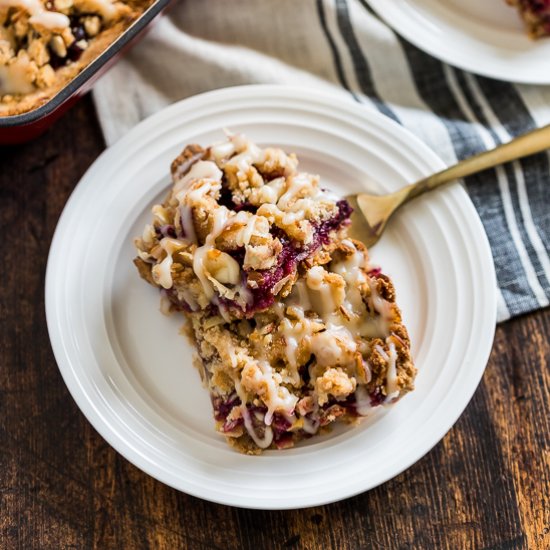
(129, 369)
(486, 37)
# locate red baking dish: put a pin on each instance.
(27, 126)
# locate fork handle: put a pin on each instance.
(523, 146)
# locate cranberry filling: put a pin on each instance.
(377, 397)
(344, 213)
(375, 271)
(226, 199)
(167, 230)
(179, 305)
(292, 255)
(222, 408)
(262, 296)
(288, 260)
(280, 425)
(304, 370)
(73, 51)
(538, 6)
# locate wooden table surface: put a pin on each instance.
(485, 485)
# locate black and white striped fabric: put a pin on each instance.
(341, 45)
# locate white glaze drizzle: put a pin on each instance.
(311, 425)
(341, 339)
(381, 306)
(207, 177)
(186, 219)
(249, 154)
(330, 346)
(201, 170)
(222, 150)
(262, 442)
(362, 401)
(390, 358)
(392, 388)
(333, 346)
(162, 272)
(39, 14)
(295, 332)
(14, 79)
(220, 217)
(278, 397)
(301, 196)
(189, 299)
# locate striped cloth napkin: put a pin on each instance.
(341, 45)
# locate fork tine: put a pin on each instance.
(360, 228)
(372, 214)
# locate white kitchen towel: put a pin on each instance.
(342, 46)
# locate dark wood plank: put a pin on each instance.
(486, 485)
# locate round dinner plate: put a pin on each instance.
(486, 37)
(129, 369)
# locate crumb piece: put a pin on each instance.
(334, 382)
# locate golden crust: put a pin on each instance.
(49, 82)
(181, 164)
(329, 347)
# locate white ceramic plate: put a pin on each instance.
(486, 37)
(129, 369)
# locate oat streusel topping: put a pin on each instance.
(293, 328)
(45, 43)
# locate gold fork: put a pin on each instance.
(378, 209)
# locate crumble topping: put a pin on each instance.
(234, 251)
(293, 328)
(45, 43)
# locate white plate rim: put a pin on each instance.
(97, 413)
(488, 61)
